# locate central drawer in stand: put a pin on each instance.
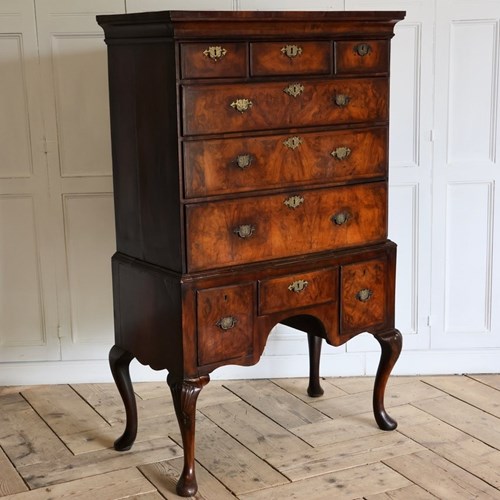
(250, 163)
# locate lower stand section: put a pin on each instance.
(185, 394)
(391, 343)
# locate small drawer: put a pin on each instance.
(290, 58)
(297, 290)
(258, 228)
(222, 166)
(363, 296)
(213, 60)
(213, 109)
(225, 323)
(369, 56)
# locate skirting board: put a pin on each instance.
(344, 365)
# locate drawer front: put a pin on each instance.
(210, 109)
(362, 56)
(236, 165)
(213, 60)
(297, 290)
(269, 227)
(363, 296)
(225, 323)
(290, 58)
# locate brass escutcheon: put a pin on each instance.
(244, 231)
(362, 49)
(242, 105)
(364, 294)
(341, 218)
(341, 100)
(341, 153)
(215, 52)
(294, 89)
(243, 161)
(293, 142)
(291, 51)
(227, 323)
(298, 286)
(294, 201)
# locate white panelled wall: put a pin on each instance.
(56, 208)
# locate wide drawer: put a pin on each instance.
(225, 323)
(363, 296)
(362, 56)
(253, 229)
(294, 58)
(223, 166)
(211, 109)
(212, 60)
(297, 290)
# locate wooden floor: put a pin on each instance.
(257, 440)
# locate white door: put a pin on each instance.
(75, 106)
(28, 308)
(466, 218)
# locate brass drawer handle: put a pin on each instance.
(364, 295)
(227, 323)
(362, 49)
(216, 53)
(242, 105)
(298, 286)
(244, 231)
(291, 51)
(294, 201)
(341, 218)
(341, 100)
(293, 142)
(244, 160)
(341, 153)
(294, 89)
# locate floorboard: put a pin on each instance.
(259, 439)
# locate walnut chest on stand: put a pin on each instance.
(250, 164)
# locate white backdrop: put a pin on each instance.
(56, 212)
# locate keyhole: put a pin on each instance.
(225, 298)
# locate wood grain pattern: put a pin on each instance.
(270, 58)
(279, 294)
(362, 56)
(10, 481)
(445, 446)
(225, 323)
(280, 231)
(211, 166)
(207, 109)
(345, 484)
(440, 477)
(359, 312)
(231, 61)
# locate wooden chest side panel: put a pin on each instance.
(148, 314)
(145, 152)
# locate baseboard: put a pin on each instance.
(332, 365)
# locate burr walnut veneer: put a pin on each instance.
(250, 182)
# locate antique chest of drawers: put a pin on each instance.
(250, 163)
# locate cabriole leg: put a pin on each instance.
(314, 390)
(119, 361)
(390, 343)
(185, 393)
